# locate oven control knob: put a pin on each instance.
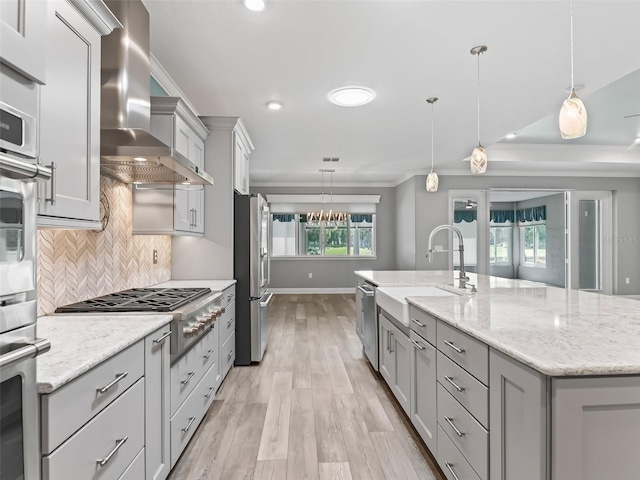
(187, 331)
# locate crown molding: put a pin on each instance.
(168, 85)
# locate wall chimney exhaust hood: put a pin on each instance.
(128, 152)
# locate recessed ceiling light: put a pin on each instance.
(351, 96)
(254, 5)
(637, 139)
(273, 105)
(511, 136)
(140, 159)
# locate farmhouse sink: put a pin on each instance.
(392, 299)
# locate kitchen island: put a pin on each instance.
(519, 380)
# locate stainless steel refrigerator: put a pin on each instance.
(251, 265)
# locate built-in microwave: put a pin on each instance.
(18, 113)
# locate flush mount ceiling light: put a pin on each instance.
(478, 156)
(274, 105)
(432, 178)
(573, 114)
(351, 96)
(255, 5)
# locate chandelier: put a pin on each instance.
(327, 216)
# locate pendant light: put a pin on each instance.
(432, 178)
(478, 156)
(327, 217)
(573, 114)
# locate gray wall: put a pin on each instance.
(554, 271)
(329, 273)
(405, 225)
(432, 210)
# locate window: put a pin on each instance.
(294, 236)
(500, 245)
(533, 245)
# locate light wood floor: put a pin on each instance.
(312, 409)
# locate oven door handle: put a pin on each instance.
(23, 170)
(29, 350)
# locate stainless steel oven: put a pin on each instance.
(19, 347)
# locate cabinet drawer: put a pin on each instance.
(186, 420)
(227, 322)
(466, 351)
(473, 439)
(228, 354)
(78, 456)
(423, 324)
(187, 371)
(451, 461)
(135, 471)
(474, 395)
(69, 408)
(228, 295)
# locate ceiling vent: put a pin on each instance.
(331, 159)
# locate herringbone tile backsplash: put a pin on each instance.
(74, 265)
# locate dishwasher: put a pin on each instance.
(367, 321)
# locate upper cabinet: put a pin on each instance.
(242, 148)
(23, 27)
(173, 209)
(70, 113)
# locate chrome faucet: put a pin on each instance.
(463, 276)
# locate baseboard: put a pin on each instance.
(633, 297)
(312, 290)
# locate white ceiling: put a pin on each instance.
(231, 61)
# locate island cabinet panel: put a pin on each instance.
(423, 390)
(386, 356)
(395, 361)
(596, 428)
(518, 421)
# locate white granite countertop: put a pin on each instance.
(555, 331)
(214, 285)
(80, 342)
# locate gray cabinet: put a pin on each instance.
(70, 117)
(595, 428)
(173, 209)
(395, 361)
(241, 151)
(157, 404)
(518, 421)
(423, 390)
(22, 36)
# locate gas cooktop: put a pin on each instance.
(138, 300)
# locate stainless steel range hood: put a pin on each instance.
(128, 152)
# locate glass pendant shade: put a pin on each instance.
(573, 117)
(478, 160)
(432, 182)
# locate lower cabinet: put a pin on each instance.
(395, 361)
(518, 420)
(135, 471)
(157, 405)
(423, 392)
(595, 428)
(226, 331)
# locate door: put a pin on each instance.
(157, 382)
(423, 390)
(589, 241)
(402, 364)
(183, 211)
(70, 116)
(386, 356)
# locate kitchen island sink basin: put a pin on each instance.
(393, 299)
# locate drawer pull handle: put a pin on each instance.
(229, 356)
(119, 376)
(421, 325)
(457, 349)
(455, 385)
(209, 353)
(209, 393)
(450, 422)
(450, 468)
(102, 462)
(189, 377)
(229, 322)
(162, 338)
(191, 420)
(417, 344)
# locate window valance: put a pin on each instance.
(533, 214)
